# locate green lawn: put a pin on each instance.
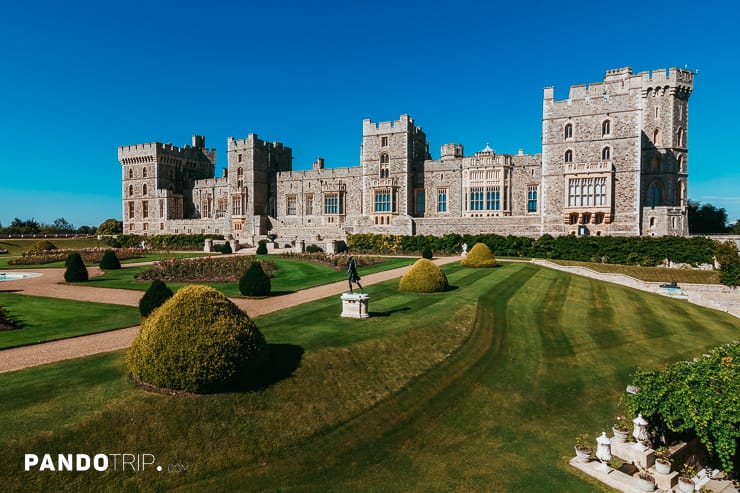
(292, 275)
(481, 388)
(48, 319)
(651, 274)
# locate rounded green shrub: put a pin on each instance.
(226, 248)
(262, 247)
(42, 246)
(110, 261)
(254, 282)
(423, 277)
(155, 296)
(427, 253)
(198, 341)
(314, 249)
(479, 256)
(76, 270)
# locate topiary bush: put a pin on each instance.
(314, 249)
(423, 277)
(427, 253)
(110, 261)
(76, 270)
(42, 246)
(479, 256)
(6, 321)
(155, 296)
(262, 247)
(198, 341)
(255, 282)
(226, 248)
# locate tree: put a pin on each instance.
(735, 228)
(27, 227)
(86, 230)
(706, 218)
(110, 261)
(76, 270)
(110, 226)
(154, 297)
(61, 225)
(254, 282)
(729, 264)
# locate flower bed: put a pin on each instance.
(90, 255)
(336, 262)
(203, 269)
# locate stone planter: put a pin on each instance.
(584, 454)
(645, 482)
(685, 484)
(663, 466)
(620, 436)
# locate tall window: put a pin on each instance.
(493, 198)
(145, 209)
(332, 204)
(420, 202)
(290, 205)
(384, 200)
(655, 194)
(568, 131)
(476, 198)
(130, 210)
(236, 205)
(587, 192)
(657, 138)
(606, 128)
(308, 200)
(143, 172)
(240, 177)
(161, 208)
(384, 141)
(532, 198)
(681, 140)
(143, 189)
(130, 190)
(606, 154)
(384, 165)
(600, 191)
(131, 172)
(441, 200)
(568, 156)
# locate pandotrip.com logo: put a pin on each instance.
(123, 462)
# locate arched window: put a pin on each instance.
(606, 128)
(130, 190)
(681, 140)
(384, 165)
(655, 194)
(606, 153)
(655, 163)
(681, 199)
(131, 172)
(681, 164)
(568, 131)
(568, 156)
(657, 138)
(143, 189)
(143, 172)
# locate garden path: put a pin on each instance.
(50, 285)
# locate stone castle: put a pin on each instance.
(614, 161)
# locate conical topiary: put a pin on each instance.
(198, 341)
(155, 296)
(76, 270)
(427, 253)
(110, 261)
(262, 247)
(423, 277)
(479, 256)
(226, 248)
(254, 282)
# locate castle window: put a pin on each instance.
(420, 202)
(130, 190)
(681, 164)
(130, 210)
(161, 208)
(606, 153)
(568, 156)
(332, 204)
(476, 199)
(145, 227)
(384, 141)
(493, 198)
(655, 194)
(290, 205)
(657, 112)
(574, 192)
(655, 163)
(236, 205)
(131, 172)
(568, 131)
(143, 172)
(384, 200)
(308, 201)
(681, 140)
(598, 218)
(239, 158)
(384, 165)
(240, 177)
(600, 191)
(143, 189)
(657, 138)
(441, 200)
(532, 198)
(145, 209)
(573, 218)
(606, 128)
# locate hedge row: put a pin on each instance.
(646, 251)
(165, 242)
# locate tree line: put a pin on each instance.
(60, 226)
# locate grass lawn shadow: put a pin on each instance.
(283, 361)
(388, 313)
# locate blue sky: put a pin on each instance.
(80, 78)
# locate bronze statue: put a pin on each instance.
(353, 276)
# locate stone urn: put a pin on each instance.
(583, 454)
(620, 436)
(645, 482)
(685, 484)
(663, 466)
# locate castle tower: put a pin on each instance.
(600, 162)
(392, 157)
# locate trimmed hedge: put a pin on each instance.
(255, 282)
(167, 242)
(198, 341)
(479, 256)
(76, 270)
(154, 297)
(41, 246)
(110, 261)
(262, 248)
(427, 253)
(314, 249)
(423, 277)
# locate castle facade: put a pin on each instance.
(614, 161)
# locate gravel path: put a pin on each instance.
(49, 285)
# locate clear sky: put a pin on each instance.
(79, 78)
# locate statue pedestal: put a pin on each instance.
(631, 452)
(355, 305)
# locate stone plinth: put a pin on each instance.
(664, 481)
(631, 452)
(354, 305)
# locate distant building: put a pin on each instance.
(614, 162)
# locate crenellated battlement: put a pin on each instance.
(404, 124)
(158, 148)
(252, 141)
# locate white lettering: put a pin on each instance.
(31, 460)
(46, 463)
(83, 462)
(144, 462)
(100, 462)
(64, 462)
(129, 462)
